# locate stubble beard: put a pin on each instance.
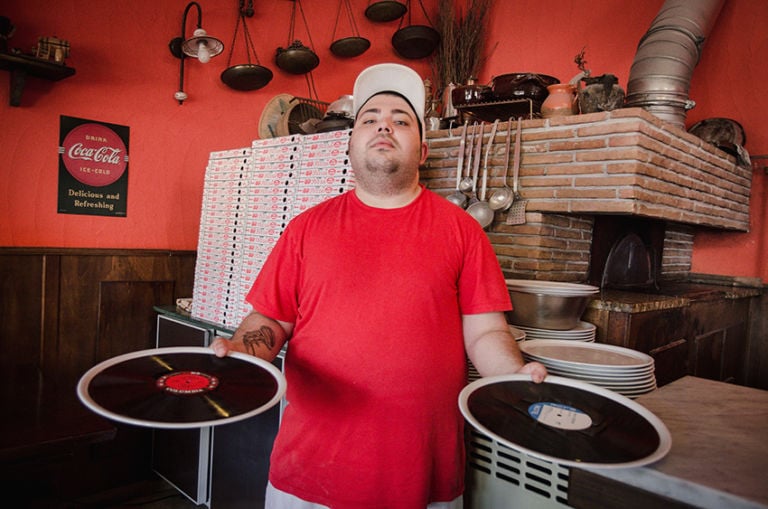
(381, 174)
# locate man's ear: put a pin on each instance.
(424, 153)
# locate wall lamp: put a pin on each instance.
(200, 46)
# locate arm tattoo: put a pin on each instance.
(264, 336)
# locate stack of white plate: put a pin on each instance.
(622, 370)
(584, 331)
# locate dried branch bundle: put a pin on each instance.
(461, 52)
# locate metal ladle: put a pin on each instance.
(502, 199)
(466, 183)
(457, 197)
(473, 195)
(480, 210)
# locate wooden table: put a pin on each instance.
(718, 459)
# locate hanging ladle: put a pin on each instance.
(473, 194)
(466, 183)
(457, 197)
(480, 210)
(502, 198)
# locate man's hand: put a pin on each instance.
(537, 371)
(220, 347)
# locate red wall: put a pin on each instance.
(126, 75)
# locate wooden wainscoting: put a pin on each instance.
(61, 312)
(66, 310)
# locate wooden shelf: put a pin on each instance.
(21, 66)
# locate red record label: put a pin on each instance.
(187, 382)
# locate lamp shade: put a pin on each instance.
(200, 42)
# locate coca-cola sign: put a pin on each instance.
(93, 167)
(94, 155)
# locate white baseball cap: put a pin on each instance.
(396, 78)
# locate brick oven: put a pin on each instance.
(625, 162)
(586, 177)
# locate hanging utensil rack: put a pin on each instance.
(320, 105)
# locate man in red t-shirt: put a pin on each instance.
(381, 294)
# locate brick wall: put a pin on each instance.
(625, 162)
(547, 247)
(678, 250)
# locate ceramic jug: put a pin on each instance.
(560, 102)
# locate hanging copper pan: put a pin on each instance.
(385, 10)
(348, 47)
(296, 58)
(351, 46)
(415, 41)
(246, 76)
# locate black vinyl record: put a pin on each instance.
(181, 387)
(565, 421)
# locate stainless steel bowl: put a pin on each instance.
(555, 312)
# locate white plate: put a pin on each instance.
(603, 370)
(544, 335)
(602, 378)
(589, 369)
(579, 354)
(518, 334)
(582, 329)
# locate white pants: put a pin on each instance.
(277, 499)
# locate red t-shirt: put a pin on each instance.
(376, 360)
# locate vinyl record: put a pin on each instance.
(181, 387)
(565, 421)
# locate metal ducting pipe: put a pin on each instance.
(661, 72)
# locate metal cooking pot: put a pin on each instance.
(522, 86)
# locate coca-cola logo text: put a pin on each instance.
(94, 154)
(109, 155)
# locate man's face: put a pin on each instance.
(385, 147)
